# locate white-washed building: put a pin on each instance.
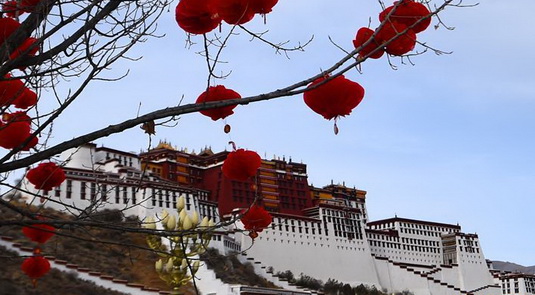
(326, 233)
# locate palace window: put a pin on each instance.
(93, 191)
(69, 189)
(82, 190)
(134, 201)
(103, 192)
(125, 195)
(117, 199)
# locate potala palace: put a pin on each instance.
(321, 232)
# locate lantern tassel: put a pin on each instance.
(233, 145)
(335, 127)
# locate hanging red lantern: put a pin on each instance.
(35, 267)
(234, 12)
(7, 27)
(10, 90)
(262, 6)
(218, 93)
(14, 130)
(39, 233)
(402, 44)
(408, 12)
(46, 176)
(13, 134)
(241, 164)
(337, 97)
(363, 35)
(255, 220)
(27, 99)
(197, 16)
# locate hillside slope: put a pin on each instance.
(510, 266)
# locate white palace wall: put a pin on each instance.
(317, 256)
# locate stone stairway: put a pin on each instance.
(269, 274)
(484, 288)
(428, 276)
(425, 275)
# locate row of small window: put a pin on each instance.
(404, 247)
(343, 221)
(291, 192)
(530, 284)
(469, 243)
(124, 160)
(230, 245)
(336, 213)
(508, 290)
(299, 185)
(349, 235)
(298, 222)
(349, 229)
(420, 242)
(96, 190)
(427, 227)
(238, 199)
(166, 204)
(419, 232)
(247, 193)
(469, 249)
(167, 199)
(292, 228)
(169, 194)
(381, 237)
(209, 212)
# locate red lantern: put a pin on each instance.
(197, 16)
(234, 12)
(262, 6)
(10, 90)
(27, 99)
(402, 44)
(337, 97)
(13, 134)
(46, 176)
(408, 13)
(15, 130)
(363, 35)
(35, 267)
(217, 93)
(256, 219)
(7, 27)
(39, 233)
(241, 164)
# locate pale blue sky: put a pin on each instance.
(450, 139)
